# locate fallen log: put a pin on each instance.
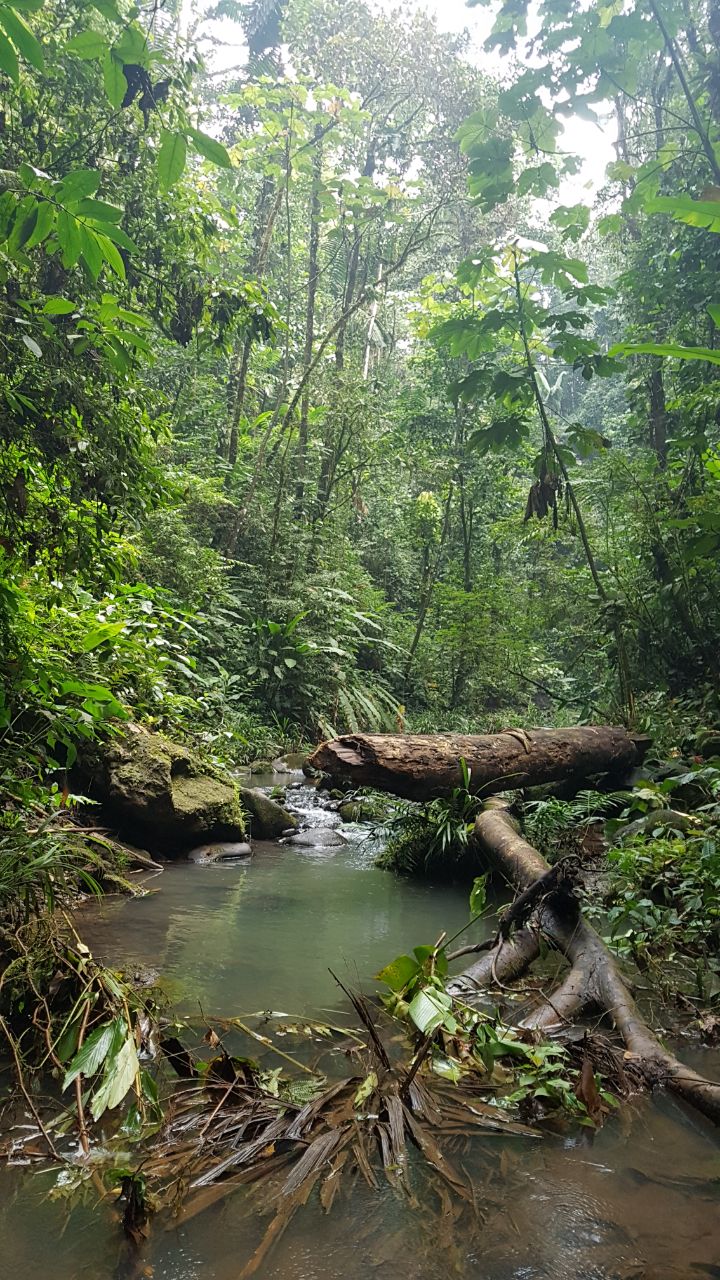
(593, 980)
(421, 766)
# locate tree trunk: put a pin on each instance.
(313, 250)
(421, 766)
(593, 979)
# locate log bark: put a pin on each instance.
(593, 979)
(422, 766)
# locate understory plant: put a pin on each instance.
(434, 837)
(536, 1076)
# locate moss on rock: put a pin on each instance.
(163, 794)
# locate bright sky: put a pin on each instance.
(592, 143)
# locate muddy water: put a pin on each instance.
(640, 1199)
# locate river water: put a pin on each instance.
(640, 1200)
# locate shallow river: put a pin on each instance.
(640, 1199)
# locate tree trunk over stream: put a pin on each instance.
(593, 980)
(422, 766)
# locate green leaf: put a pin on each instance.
(90, 1058)
(101, 635)
(88, 45)
(22, 37)
(665, 349)
(99, 210)
(210, 148)
(58, 307)
(77, 185)
(117, 235)
(43, 225)
(399, 973)
(32, 346)
(132, 47)
(366, 1090)
(478, 895)
(91, 252)
(714, 313)
(121, 1069)
(695, 213)
(114, 78)
(8, 59)
(68, 234)
(171, 158)
(111, 255)
(429, 1009)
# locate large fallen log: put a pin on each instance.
(421, 766)
(593, 980)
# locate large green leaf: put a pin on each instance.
(111, 255)
(210, 148)
(59, 307)
(696, 213)
(88, 45)
(114, 78)
(121, 1069)
(44, 224)
(68, 234)
(8, 59)
(399, 972)
(77, 185)
(670, 349)
(430, 1009)
(22, 37)
(90, 1058)
(171, 159)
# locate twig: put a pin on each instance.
(21, 1082)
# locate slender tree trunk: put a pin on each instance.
(263, 236)
(658, 414)
(313, 249)
(426, 596)
(551, 444)
(676, 59)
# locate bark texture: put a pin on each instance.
(593, 979)
(422, 766)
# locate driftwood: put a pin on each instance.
(421, 766)
(593, 980)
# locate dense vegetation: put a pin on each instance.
(303, 433)
(325, 408)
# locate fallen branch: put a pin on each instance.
(593, 979)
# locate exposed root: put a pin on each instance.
(593, 980)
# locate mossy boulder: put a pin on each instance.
(268, 819)
(162, 795)
(291, 762)
(261, 766)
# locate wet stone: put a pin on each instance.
(223, 851)
(318, 837)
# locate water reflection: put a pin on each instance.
(638, 1201)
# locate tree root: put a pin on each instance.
(593, 979)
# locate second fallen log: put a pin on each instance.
(421, 766)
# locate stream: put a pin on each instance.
(638, 1200)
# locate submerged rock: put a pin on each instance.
(223, 851)
(318, 838)
(268, 819)
(161, 795)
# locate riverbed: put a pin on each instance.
(639, 1199)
